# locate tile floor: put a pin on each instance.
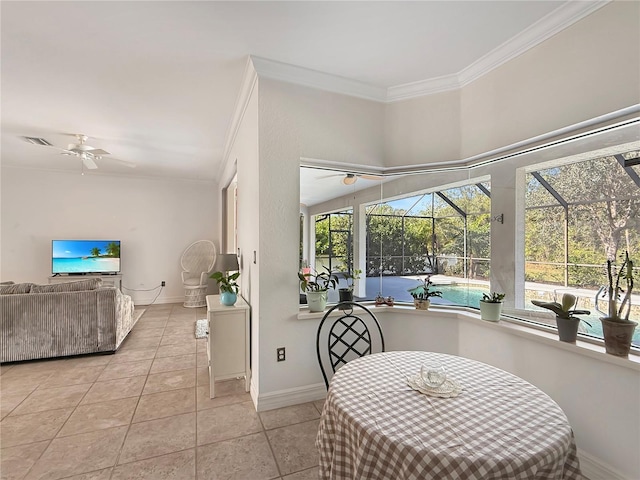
(145, 413)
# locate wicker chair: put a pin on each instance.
(197, 261)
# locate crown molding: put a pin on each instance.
(319, 80)
(564, 16)
(551, 24)
(249, 80)
(424, 87)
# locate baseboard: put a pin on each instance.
(595, 469)
(145, 301)
(288, 397)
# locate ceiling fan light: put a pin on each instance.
(349, 179)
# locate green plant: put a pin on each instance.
(563, 310)
(352, 277)
(493, 297)
(317, 281)
(226, 283)
(423, 292)
(625, 273)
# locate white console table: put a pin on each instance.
(228, 341)
(107, 280)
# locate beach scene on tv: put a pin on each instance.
(85, 256)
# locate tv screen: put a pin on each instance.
(85, 256)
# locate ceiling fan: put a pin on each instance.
(351, 178)
(86, 153)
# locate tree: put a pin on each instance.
(95, 252)
(113, 249)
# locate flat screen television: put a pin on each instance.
(77, 257)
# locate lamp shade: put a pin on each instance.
(226, 262)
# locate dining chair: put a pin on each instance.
(352, 331)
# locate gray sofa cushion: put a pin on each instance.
(15, 288)
(79, 286)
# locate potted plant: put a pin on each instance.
(228, 287)
(346, 294)
(316, 285)
(566, 319)
(616, 326)
(422, 293)
(491, 306)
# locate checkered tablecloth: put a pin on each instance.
(374, 426)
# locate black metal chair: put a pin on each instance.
(355, 333)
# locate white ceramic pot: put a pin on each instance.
(317, 301)
(490, 311)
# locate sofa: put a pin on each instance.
(73, 318)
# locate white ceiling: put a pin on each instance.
(155, 83)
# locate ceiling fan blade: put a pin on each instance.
(89, 163)
(370, 177)
(98, 151)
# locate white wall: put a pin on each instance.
(154, 219)
(244, 154)
(297, 122)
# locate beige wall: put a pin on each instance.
(156, 220)
(590, 69)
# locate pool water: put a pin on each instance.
(462, 295)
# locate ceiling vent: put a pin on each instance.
(38, 141)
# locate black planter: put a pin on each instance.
(346, 295)
(568, 329)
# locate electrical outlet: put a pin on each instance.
(163, 283)
(280, 354)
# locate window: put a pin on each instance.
(577, 216)
(445, 233)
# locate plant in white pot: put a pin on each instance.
(616, 326)
(422, 293)
(491, 306)
(316, 285)
(228, 287)
(566, 319)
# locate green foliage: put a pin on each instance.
(493, 297)
(601, 220)
(423, 290)
(317, 281)
(352, 277)
(226, 283)
(95, 252)
(563, 310)
(113, 249)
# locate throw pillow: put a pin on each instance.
(15, 288)
(79, 286)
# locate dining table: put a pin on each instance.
(493, 426)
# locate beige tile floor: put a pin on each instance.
(145, 414)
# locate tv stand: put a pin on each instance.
(114, 280)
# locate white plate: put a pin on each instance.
(450, 388)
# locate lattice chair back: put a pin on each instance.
(348, 330)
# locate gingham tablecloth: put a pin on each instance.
(374, 426)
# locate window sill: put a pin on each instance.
(505, 325)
